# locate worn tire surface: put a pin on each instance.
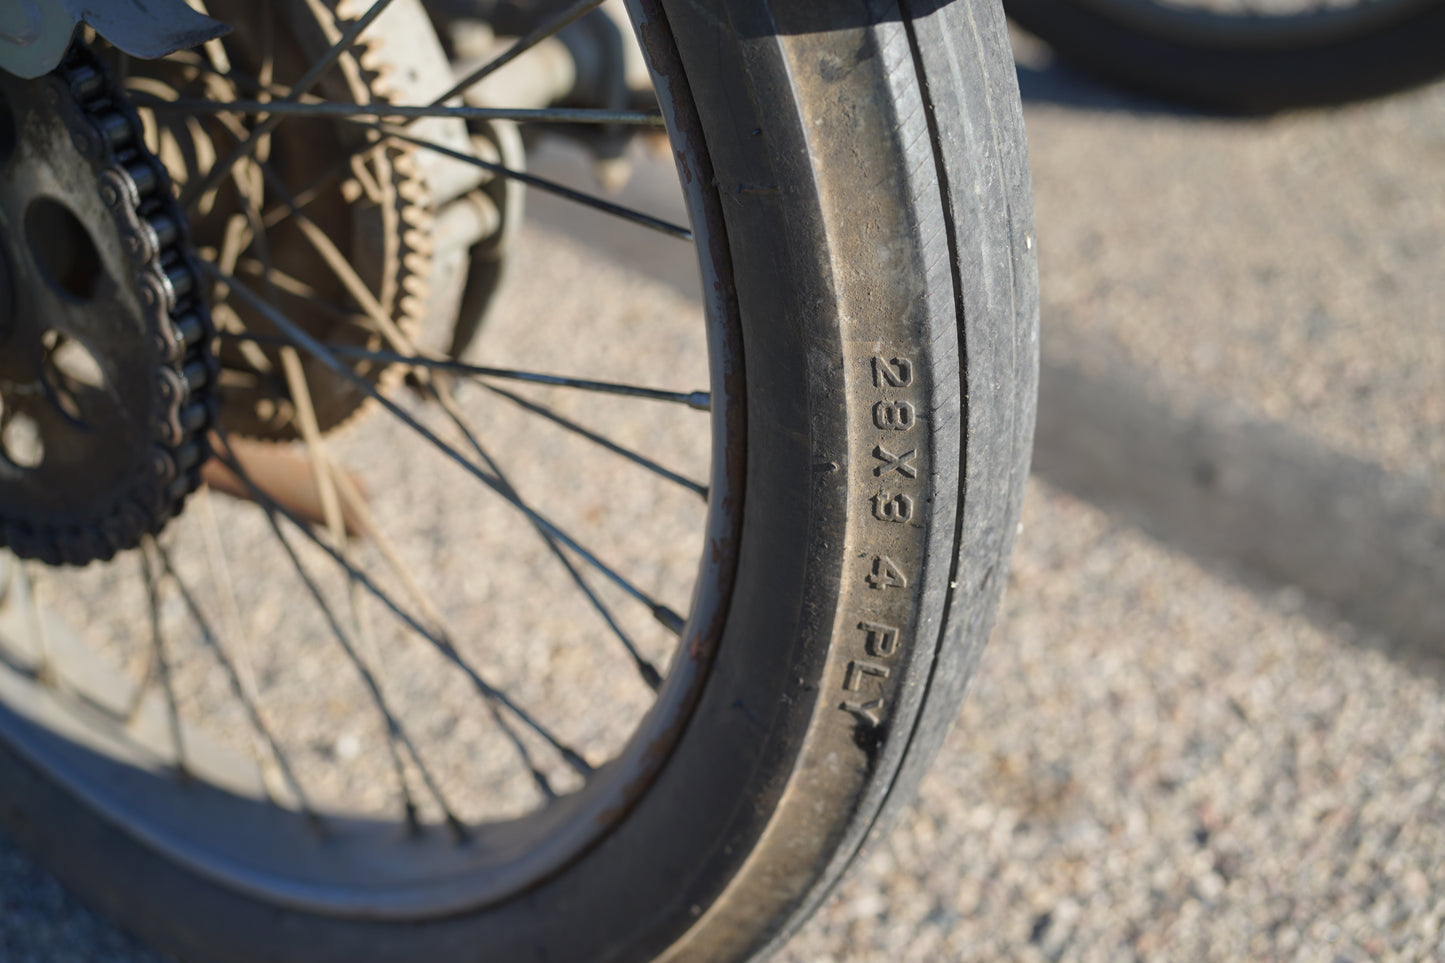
(870, 166)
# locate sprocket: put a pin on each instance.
(346, 218)
(106, 375)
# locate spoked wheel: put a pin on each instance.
(613, 639)
(1247, 55)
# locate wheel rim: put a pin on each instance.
(62, 708)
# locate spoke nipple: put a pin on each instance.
(650, 675)
(669, 618)
(540, 779)
(577, 762)
(701, 400)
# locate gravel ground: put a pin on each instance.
(1159, 763)
(1172, 751)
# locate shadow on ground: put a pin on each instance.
(1057, 83)
(1255, 500)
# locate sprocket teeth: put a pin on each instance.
(170, 366)
(414, 193)
(413, 213)
(397, 262)
(373, 63)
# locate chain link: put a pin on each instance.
(133, 184)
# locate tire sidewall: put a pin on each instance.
(774, 783)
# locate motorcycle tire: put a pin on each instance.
(858, 182)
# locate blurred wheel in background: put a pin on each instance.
(1246, 55)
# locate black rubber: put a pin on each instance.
(1242, 64)
(870, 165)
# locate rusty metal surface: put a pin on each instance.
(286, 477)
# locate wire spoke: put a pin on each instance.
(343, 111)
(298, 289)
(539, 33)
(242, 688)
(646, 669)
(244, 671)
(334, 482)
(442, 644)
(699, 400)
(662, 613)
(159, 661)
(541, 183)
(396, 739)
(220, 171)
(366, 640)
(241, 179)
(355, 284)
(336, 261)
(327, 490)
(356, 504)
(315, 188)
(447, 402)
(612, 446)
(311, 190)
(395, 730)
